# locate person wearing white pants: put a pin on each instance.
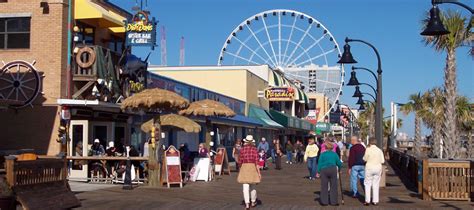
(374, 159)
(250, 194)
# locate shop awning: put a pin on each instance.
(290, 121)
(277, 80)
(237, 120)
(96, 15)
(263, 116)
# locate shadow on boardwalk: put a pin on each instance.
(285, 189)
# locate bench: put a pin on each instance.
(40, 183)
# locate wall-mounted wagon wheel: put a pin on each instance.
(19, 81)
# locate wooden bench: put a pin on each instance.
(40, 183)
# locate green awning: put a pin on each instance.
(263, 116)
(290, 122)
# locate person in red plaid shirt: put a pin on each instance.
(249, 173)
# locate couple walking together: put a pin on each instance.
(364, 164)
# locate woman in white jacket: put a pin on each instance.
(374, 159)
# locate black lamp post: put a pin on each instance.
(435, 27)
(361, 107)
(360, 101)
(347, 58)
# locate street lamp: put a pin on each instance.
(361, 107)
(353, 80)
(360, 101)
(357, 92)
(347, 58)
(435, 26)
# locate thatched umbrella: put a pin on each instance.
(174, 120)
(208, 108)
(154, 100)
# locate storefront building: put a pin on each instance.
(225, 130)
(248, 84)
(34, 40)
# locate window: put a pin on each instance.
(15, 33)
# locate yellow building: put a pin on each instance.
(248, 84)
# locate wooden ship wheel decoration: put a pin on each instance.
(20, 82)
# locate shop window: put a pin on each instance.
(15, 33)
(312, 104)
(86, 34)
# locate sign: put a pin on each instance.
(280, 94)
(312, 116)
(173, 167)
(141, 31)
(322, 126)
(221, 161)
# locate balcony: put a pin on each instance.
(101, 74)
(95, 73)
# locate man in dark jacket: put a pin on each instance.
(356, 164)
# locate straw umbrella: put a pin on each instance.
(154, 100)
(208, 108)
(174, 120)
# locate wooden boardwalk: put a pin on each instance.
(285, 189)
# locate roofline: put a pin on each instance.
(114, 7)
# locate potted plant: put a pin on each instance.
(7, 200)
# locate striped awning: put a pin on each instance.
(277, 80)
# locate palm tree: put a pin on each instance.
(465, 123)
(460, 32)
(415, 105)
(433, 116)
(366, 120)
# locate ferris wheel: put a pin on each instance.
(294, 43)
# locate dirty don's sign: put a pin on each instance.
(141, 31)
(279, 94)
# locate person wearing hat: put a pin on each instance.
(97, 148)
(249, 173)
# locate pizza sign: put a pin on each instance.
(280, 94)
(141, 31)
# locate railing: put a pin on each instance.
(435, 178)
(406, 165)
(20, 173)
(40, 183)
(89, 71)
(448, 179)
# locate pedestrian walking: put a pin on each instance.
(235, 152)
(249, 174)
(272, 151)
(299, 148)
(311, 157)
(356, 164)
(374, 159)
(328, 166)
(278, 154)
(289, 152)
(263, 145)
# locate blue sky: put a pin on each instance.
(392, 26)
